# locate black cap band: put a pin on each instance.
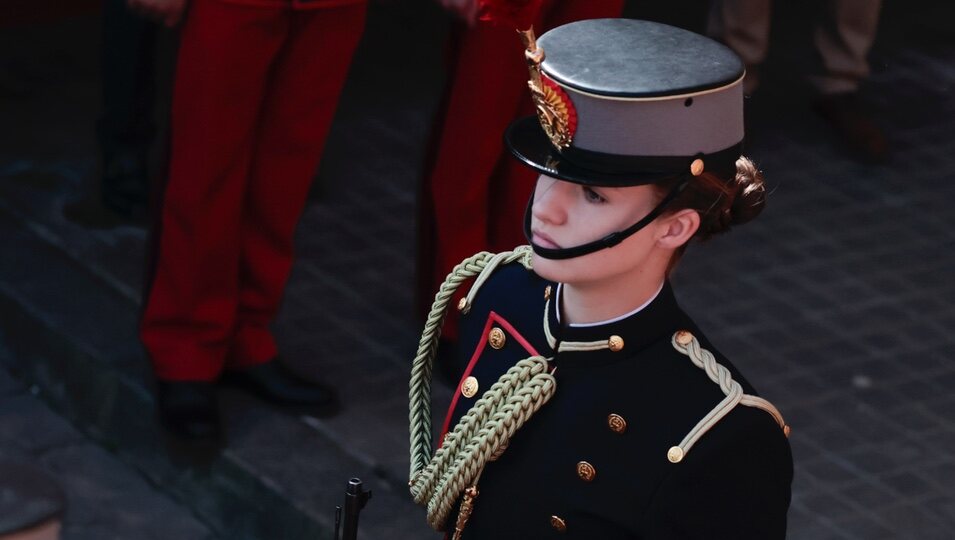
(608, 241)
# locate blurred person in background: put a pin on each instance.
(473, 193)
(842, 38)
(256, 87)
(126, 129)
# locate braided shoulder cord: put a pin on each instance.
(472, 456)
(419, 392)
(422, 488)
(687, 344)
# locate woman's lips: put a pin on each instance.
(543, 240)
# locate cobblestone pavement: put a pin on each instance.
(106, 499)
(838, 302)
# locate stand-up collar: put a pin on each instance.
(658, 320)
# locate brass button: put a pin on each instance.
(675, 454)
(786, 430)
(496, 338)
(469, 387)
(683, 337)
(547, 292)
(558, 524)
(615, 343)
(617, 423)
(462, 304)
(586, 471)
(696, 168)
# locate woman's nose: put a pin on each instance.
(550, 200)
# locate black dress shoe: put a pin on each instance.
(849, 118)
(189, 411)
(273, 382)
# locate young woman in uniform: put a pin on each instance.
(589, 404)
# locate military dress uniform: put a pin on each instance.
(634, 427)
(593, 462)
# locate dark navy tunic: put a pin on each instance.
(734, 482)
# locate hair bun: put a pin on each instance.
(749, 197)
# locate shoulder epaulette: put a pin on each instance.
(686, 343)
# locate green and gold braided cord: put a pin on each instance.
(438, 480)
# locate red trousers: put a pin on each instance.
(475, 194)
(255, 91)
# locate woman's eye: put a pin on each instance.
(593, 196)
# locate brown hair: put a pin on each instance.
(721, 203)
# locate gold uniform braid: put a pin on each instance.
(438, 480)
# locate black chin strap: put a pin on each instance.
(608, 241)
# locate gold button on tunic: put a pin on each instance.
(496, 338)
(586, 471)
(469, 387)
(616, 423)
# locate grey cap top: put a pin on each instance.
(636, 59)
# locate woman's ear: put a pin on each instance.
(677, 228)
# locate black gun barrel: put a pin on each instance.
(355, 500)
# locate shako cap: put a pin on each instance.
(646, 100)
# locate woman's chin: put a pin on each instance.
(549, 269)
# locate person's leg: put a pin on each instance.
(744, 27)
(485, 95)
(297, 112)
(225, 59)
(843, 40)
(125, 128)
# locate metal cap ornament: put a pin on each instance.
(625, 102)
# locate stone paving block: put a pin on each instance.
(942, 508)
(822, 503)
(864, 527)
(9, 385)
(105, 498)
(32, 433)
(872, 495)
(906, 485)
(117, 505)
(815, 531)
(912, 521)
